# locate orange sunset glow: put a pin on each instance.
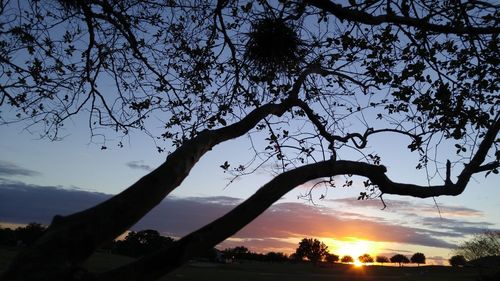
(357, 263)
(356, 248)
(353, 247)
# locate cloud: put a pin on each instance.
(421, 208)
(24, 203)
(283, 222)
(139, 165)
(453, 221)
(437, 260)
(458, 227)
(11, 169)
(397, 251)
(260, 245)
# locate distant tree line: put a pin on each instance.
(21, 236)
(137, 244)
(241, 253)
(140, 243)
(315, 251)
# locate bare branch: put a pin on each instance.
(344, 13)
(448, 172)
(487, 167)
(363, 138)
(480, 155)
(449, 188)
(12, 100)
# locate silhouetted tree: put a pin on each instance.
(418, 258)
(237, 253)
(480, 245)
(23, 235)
(365, 258)
(331, 258)
(140, 243)
(457, 260)
(312, 249)
(212, 255)
(205, 71)
(400, 259)
(294, 258)
(347, 259)
(276, 257)
(382, 259)
(7, 237)
(28, 234)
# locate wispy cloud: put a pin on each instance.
(260, 245)
(11, 169)
(139, 165)
(397, 250)
(412, 207)
(458, 227)
(286, 220)
(438, 260)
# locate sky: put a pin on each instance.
(40, 178)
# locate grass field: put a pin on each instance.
(293, 272)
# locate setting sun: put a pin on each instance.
(357, 263)
(355, 248)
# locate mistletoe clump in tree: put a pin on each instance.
(212, 72)
(273, 48)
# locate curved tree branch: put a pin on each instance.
(154, 266)
(78, 235)
(163, 261)
(344, 13)
(363, 138)
(70, 240)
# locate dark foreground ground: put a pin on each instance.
(200, 271)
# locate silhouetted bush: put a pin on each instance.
(457, 260)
